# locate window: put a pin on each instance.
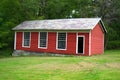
(61, 41)
(26, 39)
(43, 39)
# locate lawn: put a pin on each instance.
(98, 67)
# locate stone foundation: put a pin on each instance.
(29, 53)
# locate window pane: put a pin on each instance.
(26, 35)
(42, 43)
(61, 44)
(26, 42)
(43, 38)
(26, 38)
(43, 35)
(61, 40)
(61, 36)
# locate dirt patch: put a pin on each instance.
(87, 65)
(113, 65)
(79, 66)
(63, 67)
(109, 66)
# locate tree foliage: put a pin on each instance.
(13, 12)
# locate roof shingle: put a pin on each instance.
(59, 24)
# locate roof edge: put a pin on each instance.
(55, 30)
(103, 26)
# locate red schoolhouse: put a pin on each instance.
(79, 36)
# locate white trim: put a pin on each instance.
(89, 43)
(15, 41)
(83, 43)
(23, 40)
(39, 41)
(73, 31)
(103, 28)
(76, 42)
(57, 41)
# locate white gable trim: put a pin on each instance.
(103, 26)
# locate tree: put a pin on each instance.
(13, 12)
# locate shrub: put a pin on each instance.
(6, 52)
(113, 45)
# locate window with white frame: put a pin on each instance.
(43, 39)
(26, 39)
(61, 41)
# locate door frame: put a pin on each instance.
(77, 44)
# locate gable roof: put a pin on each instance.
(61, 24)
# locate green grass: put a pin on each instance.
(98, 67)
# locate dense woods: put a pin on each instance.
(13, 12)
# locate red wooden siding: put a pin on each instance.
(71, 43)
(51, 46)
(18, 40)
(97, 40)
(34, 41)
(51, 41)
